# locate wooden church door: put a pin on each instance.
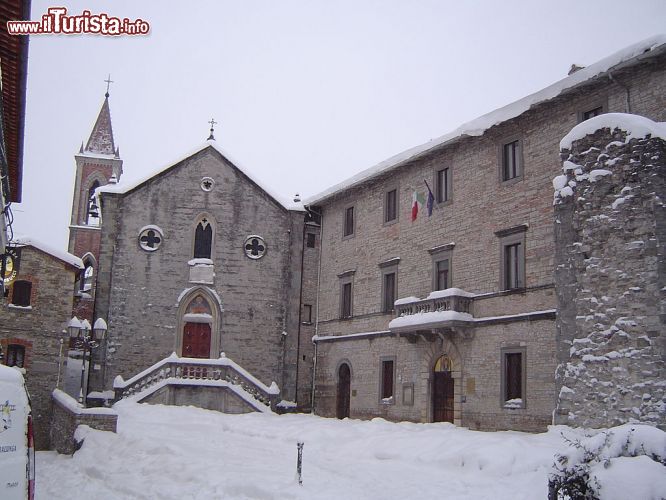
(196, 340)
(344, 391)
(442, 391)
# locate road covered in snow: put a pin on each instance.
(163, 452)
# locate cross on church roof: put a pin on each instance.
(212, 122)
(108, 83)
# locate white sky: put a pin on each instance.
(307, 92)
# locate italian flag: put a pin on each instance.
(417, 199)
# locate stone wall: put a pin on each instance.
(40, 328)
(481, 205)
(138, 292)
(220, 399)
(68, 415)
(610, 233)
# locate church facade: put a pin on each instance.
(419, 290)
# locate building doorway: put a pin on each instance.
(442, 391)
(344, 391)
(196, 340)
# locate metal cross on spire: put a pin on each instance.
(108, 83)
(212, 122)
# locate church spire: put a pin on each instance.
(101, 137)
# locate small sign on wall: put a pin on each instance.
(408, 394)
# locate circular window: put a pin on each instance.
(207, 184)
(150, 238)
(255, 247)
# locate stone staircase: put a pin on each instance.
(216, 384)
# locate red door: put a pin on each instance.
(196, 340)
(442, 397)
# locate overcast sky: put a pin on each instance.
(306, 93)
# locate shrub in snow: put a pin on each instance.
(580, 473)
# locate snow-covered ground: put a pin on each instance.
(181, 453)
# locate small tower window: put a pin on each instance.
(203, 239)
(92, 214)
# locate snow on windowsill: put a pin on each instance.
(514, 404)
(200, 262)
(20, 308)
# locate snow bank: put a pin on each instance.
(183, 452)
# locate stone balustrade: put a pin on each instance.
(197, 370)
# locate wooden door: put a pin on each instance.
(196, 340)
(442, 397)
(344, 391)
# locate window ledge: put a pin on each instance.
(390, 222)
(387, 401)
(20, 308)
(513, 406)
(509, 182)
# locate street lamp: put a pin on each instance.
(83, 337)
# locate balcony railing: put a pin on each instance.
(444, 308)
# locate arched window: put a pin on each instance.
(92, 211)
(88, 278)
(21, 293)
(203, 239)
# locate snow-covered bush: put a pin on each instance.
(588, 470)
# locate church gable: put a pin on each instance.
(201, 224)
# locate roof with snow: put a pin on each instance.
(61, 255)
(100, 141)
(629, 56)
(122, 188)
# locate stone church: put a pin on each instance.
(422, 289)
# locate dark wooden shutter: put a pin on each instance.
(346, 300)
(387, 379)
(514, 376)
(21, 293)
(389, 291)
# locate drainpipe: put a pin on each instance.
(626, 91)
(314, 364)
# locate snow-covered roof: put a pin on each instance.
(122, 188)
(67, 257)
(627, 56)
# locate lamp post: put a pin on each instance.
(84, 338)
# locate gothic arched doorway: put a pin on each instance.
(197, 328)
(442, 391)
(344, 391)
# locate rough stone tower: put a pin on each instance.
(97, 164)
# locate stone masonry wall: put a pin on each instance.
(40, 329)
(138, 291)
(481, 204)
(610, 233)
(67, 416)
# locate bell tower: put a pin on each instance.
(97, 164)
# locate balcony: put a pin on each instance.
(441, 311)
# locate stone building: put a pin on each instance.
(450, 316)
(426, 282)
(198, 259)
(33, 321)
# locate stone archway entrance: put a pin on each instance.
(344, 391)
(196, 340)
(442, 391)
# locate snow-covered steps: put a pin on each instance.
(216, 384)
